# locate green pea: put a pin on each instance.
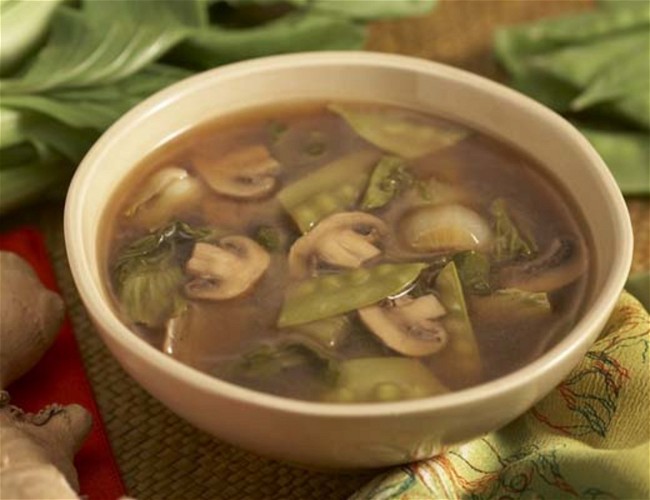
(332, 188)
(387, 391)
(383, 379)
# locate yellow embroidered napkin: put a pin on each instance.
(589, 438)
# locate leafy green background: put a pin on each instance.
(70, 69)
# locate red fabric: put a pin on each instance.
(59, 377)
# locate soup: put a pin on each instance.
(345, 252)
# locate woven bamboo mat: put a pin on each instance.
(163, 457)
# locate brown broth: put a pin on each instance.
(482, 168)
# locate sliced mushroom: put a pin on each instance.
(168, 191)
(341, 240)
(408, 325)
(246, 173)
(225, 271)
(563, 262)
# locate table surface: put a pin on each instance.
(160, 455)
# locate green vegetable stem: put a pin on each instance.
(333, 294)
(509, 244)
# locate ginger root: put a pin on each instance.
(38, 449)
(30, 316)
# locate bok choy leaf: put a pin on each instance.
(287, 352)
(148, 273)
(24, 25)
(509, 242)
(84, 63)
(84, 49)
(309, 31)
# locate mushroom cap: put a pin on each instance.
(408, 325)
(226, 270)
(564, 261)
(342, 240)
(244, 173)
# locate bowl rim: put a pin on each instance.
(577, 339)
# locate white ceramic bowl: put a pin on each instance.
(360, 435)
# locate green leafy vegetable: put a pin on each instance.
(82, 52)
(627, 154)
(24, 25)
(425, 284)
(579, 64)
(269, 237)
(625, 87)
(370, 9)
(28, 181)
(383, 379)
(514, 45)
(333, 294)
(148, 272)
(461, 355)
(150, 293)
(288, 352)
(83, 64)
(388, 179)
(304, 30)
(474, 271)
(96, 107)
(509, 243)
(596, 67)
(10, 129)
(398, 131)
(334, 187)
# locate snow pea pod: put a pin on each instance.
(334, 187)
(383, 379)
(334, 294)
(461, 355)
(398, 132)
